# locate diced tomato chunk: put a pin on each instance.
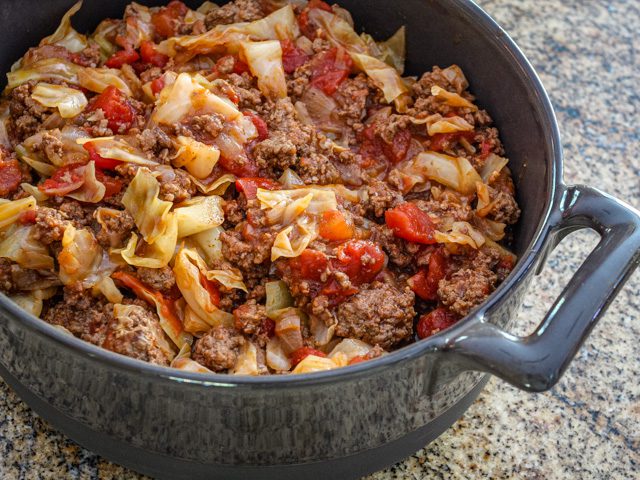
(435, 321)
(28, 217)
(407, 221)
(239, 67)
(444, 141)
(241, 166)
(64, 180)
(249, 185)
(122, 57)
(292, 56)
(10, 176)
(425, 282)
(360, 260)
(116, 107)
(150, 55)
(309, 265)
(330, 68)
(398, 148)
(101, 162)
(112, 185)
(259, 123)
(300, 354)
(333, 226)
(157, 85)
(358, 359)
(164, 20)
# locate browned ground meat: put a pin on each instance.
(381, 315)
(156, 142)
(233, 12)
(381, 198)
(250, 258)
(27, 115)
(91, 325)
(505, 209)
(176, 186)
(115, 229)
(466, 289)
(50, 225)
(218, 349)
(351, 98)
(251, 319)
(138, 335)
(161, 279)
(6, 282)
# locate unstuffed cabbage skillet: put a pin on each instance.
(252, 189)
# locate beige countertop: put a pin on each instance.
(588, 426)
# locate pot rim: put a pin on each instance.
(436, 343)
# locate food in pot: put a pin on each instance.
(250, 189)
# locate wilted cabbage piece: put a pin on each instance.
(20, 246)
(188, 365)
(69, 101)
(265, 62)
(454, 172)
(43, 70)
(190, 271)
(292, 241)
(289, 329)
(10, 211)
(284, 206)
(65, 35)
(199, 214)
(451, 98)
(196, 157)
(213, 185)
(98, 79)
(117, 149)
(150, 214)
(278, 298)
(384, 77)
(392, 51)
(279, 25)
(313, 363)
(185, 97)
(102, 33)
(440, 124)
(107, 287)
(247, 360)
(82, 259)
(32, 301)
(461, 233)
(207, 244)
(156, 255)
(350, 348)
(231, 278)
(277, 359)
(90, 190)
(492, 166)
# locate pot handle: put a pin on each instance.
(536, 362)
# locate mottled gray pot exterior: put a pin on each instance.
(351, 421)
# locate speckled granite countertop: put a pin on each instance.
(588, 426)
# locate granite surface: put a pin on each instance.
(588, 426)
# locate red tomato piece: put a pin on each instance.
(64, 180)
(28, 217)
(211, 288)
(249, 185)
(407, 221)
(259, 123)
(434, 322)
(444, 141)
(164, 20)
(116, 107)
(112, 185)
(300, 354)
(398, 148)
(425, 282)
(292, 56)
(485, 149)
(239, 166)
(101, 162)
(121, 57)
(10, 176)
(239, 67)
(358, 359)
(157, 85)
(310, 264)
(361, 260)
(329, 69)
(267, 327)
(150, 55)
(333, 226)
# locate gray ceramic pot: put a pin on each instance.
(355, 420)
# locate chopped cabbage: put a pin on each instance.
(156, 255)
(100, 36)
(265, 62)
(65, 35)
(448, 125)
(292, 241)
(461, 233)
(214, 186)
(284, 206)
(42, 70)
(107, 287)
(350, 348)
(141, 200)
(454, 172)
(451, 98)
(208, 244)
(199, 214)
(98, 79)
(190, 269)
(69, 101)
(10, 211)
(193, 324)
(277, 359)
(188, 365)
(289, 330)
(278, 298)
(20, 246)
(91, 190)
(82, 259)
(117, 149)
(247, 360)
(231, 278)
(313, 363)
(492, 166)
(185, 97)
(386, 78)
(198, 158)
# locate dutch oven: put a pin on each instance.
(351, 421)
